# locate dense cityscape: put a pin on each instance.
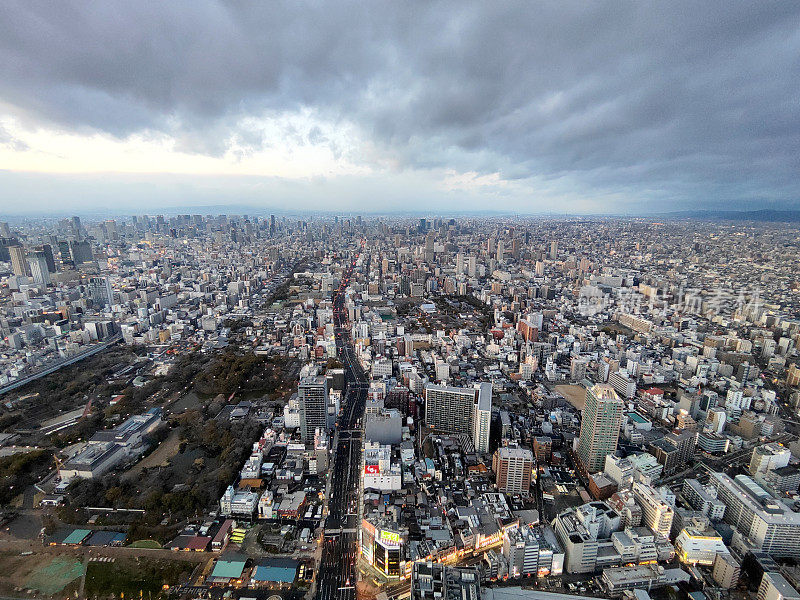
(199, 406)
(384, 300)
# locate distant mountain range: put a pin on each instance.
(765, 215)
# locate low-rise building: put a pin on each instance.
(240, 503)
(646, 577)
(695, 547)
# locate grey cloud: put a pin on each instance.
(682, 101)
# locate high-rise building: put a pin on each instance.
(461, 410)
(77, 229)
(312, 394)
(793, 375)
(38, 268)
(19, 264)
(512, 468)
(80, 252)
(482, 418)
(656, 513)
(64, 254)
(726, 571)
(449, 409)
(602, 416)
(99, 290)
(48, 253)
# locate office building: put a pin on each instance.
(602, 416)
(512, 468)
(532, 551)
(39, 269)
(695, 547)
(646, 577)
(48, 253)
(99, 290)
(381, 544)
(19, 263)
(238, 503)
(80, 252)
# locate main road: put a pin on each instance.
(336, 577)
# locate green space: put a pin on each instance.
(54, 576)
(152, 544)
(134, 578)
(18, 471)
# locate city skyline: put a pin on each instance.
(341, 408)
(517, 108)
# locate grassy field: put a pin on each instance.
(43, 573)
(133, 577)
(152, 544)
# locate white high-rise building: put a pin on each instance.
(656, 513)
(482, 418)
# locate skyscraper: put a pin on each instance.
(81, 252)
(39, 269)
(602, 416)
(482, 418)
(64, 254)
(312, 394)
(48, 253)
(19, 264)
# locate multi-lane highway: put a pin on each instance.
(336, 577)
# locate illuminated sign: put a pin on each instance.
(390, 537)
(372, 469)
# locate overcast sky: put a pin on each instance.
(529, 107)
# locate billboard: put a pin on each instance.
(390, 538)
(372, 470)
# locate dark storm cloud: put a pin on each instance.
(678, 102)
